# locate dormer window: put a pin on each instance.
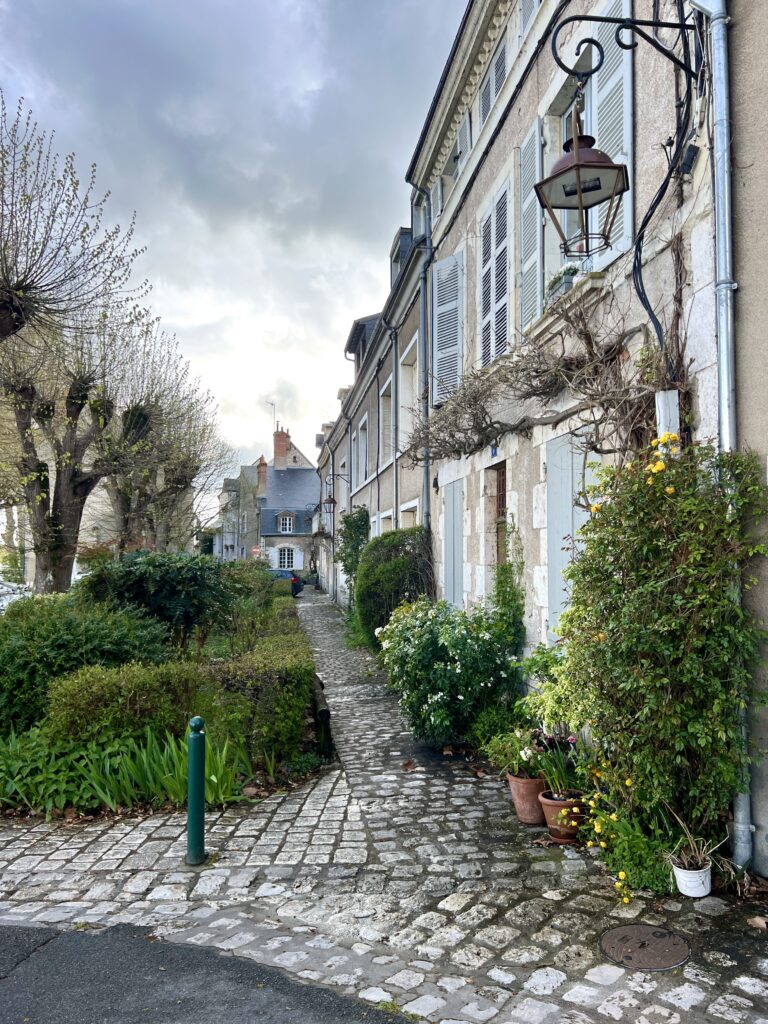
(286, 524)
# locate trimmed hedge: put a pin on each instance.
(104, 703)
(45, 637)
(276, 677)
(393, 568)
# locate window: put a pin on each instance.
(493, 81)
(409, 515)
(447, 326)
(527, 10)
(453, 543)
(407, 392)
(494, 280)
(343, 497)
(285, 558)
(362, 448)
(501, 512)
(385, 422)
(355, 463)
(570, 219)
(286, 524)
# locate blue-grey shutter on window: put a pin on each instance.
(565, 481)
(453, 542)
(531, 241)
(447, 326)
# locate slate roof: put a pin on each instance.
(289, 490)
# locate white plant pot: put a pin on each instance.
(693, 883)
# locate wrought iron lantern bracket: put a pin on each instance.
(632, 26)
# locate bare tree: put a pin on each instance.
(62, 393)
(159, 491)
(58, 262)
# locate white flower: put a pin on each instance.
(460, 696)
(379, 630)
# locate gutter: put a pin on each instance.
(725, 286)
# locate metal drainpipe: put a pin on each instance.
(394, 419)
(725, 285)
(428, 253)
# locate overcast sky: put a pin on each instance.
(263, 145)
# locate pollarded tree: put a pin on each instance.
(62, 392)
(58, 262)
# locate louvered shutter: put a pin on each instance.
(298, 558)
(531, 248)
(612, 121)
(273, 556)
(447, 326)
(501, 274)
(436, 199)
(499, 68)
(465, 140)
(486, 289)
(527, 11)
(486, 99)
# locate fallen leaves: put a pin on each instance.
(409, 765)
(758, 922)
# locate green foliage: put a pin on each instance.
(638, 849)
(45, 637)
(353, 532)
(659, 652)
(508, 597)
(519, 752)
(493, 721)
(12, 565)
(42, 774)
(187, 592)
(97, 702)
(276, 677)
(393, 568)
(447, 665)
(253, 589)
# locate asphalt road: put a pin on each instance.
(120, 976)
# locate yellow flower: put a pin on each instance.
(627, 782)
(617, 885)
(574, 823)
(592, 803)
(598, 773)
(625, 900)
(596, 508)
(649, 480)
(622, 875)
(590, 843)
(598, 827)
(674, 437)
(655, 442)
(670, 490)
(657, 467)
(614, 816)
(603, 844)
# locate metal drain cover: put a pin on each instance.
(644, 947)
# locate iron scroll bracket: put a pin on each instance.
(632, 26)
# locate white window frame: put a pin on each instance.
(285, 555)
(409, 506)
(363, 450)
(495, 77)
(343, 489)
(289, 519)
(493, 300)
(410, 360)
(353, 470)
(386, 438)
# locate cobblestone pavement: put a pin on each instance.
(398, 876)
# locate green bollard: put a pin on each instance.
(196, 792)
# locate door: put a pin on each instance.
(453, 542)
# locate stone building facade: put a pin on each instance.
(497, 123)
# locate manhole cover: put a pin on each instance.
(644, 947)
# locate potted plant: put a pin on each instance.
(562, 800)
(517, 754)
(691, 861)
(562, 281)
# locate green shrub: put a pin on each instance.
(187, 592)
(42, 774)
(353, 533)
(448, 666)
(393, 568)
(496, 720)
(658, 652)
(637, 848)
(107, 702)
(45, 637)
(276, 676)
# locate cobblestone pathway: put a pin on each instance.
(398, 876)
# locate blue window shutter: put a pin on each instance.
(447, 326)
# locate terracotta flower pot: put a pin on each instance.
(560, 828)
(525, 797)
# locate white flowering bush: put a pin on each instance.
(448, 666)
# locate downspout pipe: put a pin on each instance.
(426, 259)
(725, 286)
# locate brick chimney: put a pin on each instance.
(282, 446)
(262, 469)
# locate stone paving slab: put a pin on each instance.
(398, 876)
